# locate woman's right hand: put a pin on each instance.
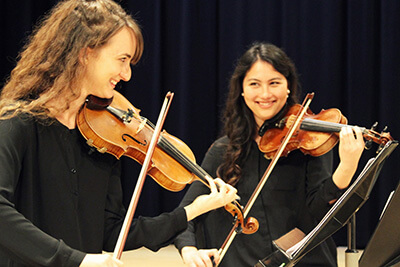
(97, 260)
(192, 257)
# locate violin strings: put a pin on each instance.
(171, 150)
(318, 125)
(180, 157)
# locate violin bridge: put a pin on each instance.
(290, 121)
(141, 126)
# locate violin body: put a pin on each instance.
(116, 127)
(313, 134)
(309, 142)
(107, 133)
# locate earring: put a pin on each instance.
(242, 94)
(288, 91)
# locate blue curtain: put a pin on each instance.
(347, 52)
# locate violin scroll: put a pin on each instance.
(372, 136)
(248, 226)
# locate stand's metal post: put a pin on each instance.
(352, 255)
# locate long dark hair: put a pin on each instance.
(239, 122)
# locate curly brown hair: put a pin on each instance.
(48, 66)
(239, 122)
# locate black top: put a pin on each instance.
(295, 195)
(59, 199)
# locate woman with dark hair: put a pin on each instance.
(61, 202)
(301, 188)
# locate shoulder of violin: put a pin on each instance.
(332, 115)
(121, 102)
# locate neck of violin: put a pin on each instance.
(325, 126)
(321, 126)
(191, 166)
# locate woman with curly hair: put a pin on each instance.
(301, 188)
(61, 202)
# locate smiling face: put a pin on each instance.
(265, 91)
(108, 64)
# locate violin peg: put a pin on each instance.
(380, 147)
(368, 144)
(373, 127)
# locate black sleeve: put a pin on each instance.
(152, 233)
(20, 240)
(210, 164)
(320, 187)
(155, 233)
(188, 237)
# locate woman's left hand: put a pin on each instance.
(221, 194)
(351, 146)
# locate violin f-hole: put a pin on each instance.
(134, 139)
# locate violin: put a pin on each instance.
(317, 133)
(115, 126)
(313, 134)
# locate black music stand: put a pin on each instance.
(338, 216)
(383, 249)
